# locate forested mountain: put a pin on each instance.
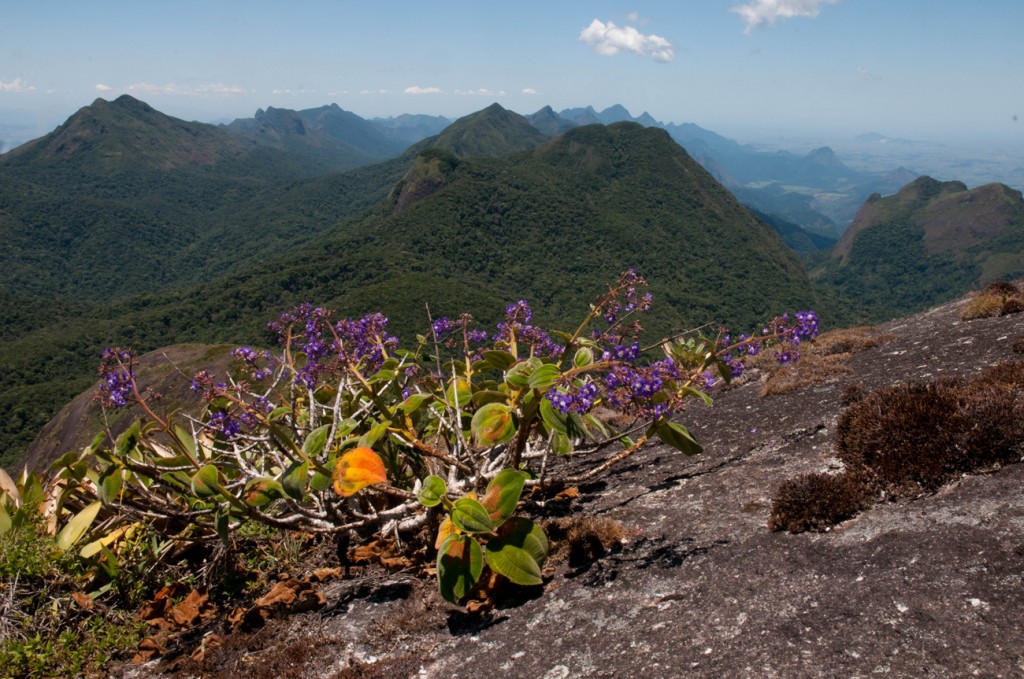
(123, 199)
(929, 243)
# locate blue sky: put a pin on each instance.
(918, 68)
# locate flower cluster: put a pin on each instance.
(260, 364)
(364, 343)
(781, 331)
(516, 329)
(579, 400)
(117, 378)
(361, 344)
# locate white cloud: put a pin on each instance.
(288, 91)
(100, 87)
(15, 85)
(633, 16)
(865, 74)
(416, 89)
(483, 91)
(530, 90)
(607, 39)
(373, 92)
(185, 90)
(766, 12)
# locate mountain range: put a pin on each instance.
(129, 227)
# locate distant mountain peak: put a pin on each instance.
(108, 136)
(491, 132)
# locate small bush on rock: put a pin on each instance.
(999, 298)
(1017, 344)
(914, 437)
(817, 501)
(906, 435)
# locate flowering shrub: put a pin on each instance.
(343, 431)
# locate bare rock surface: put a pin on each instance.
(930, 587)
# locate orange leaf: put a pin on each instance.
(447, 528)
(358, 469)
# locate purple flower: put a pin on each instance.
(225, 425)
(442, 326)
(560, 401)
(117, 378)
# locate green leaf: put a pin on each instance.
(413, 403)
(127, 440)
(560, 443)
(677, 436)
(32, 493)
(5, 520)
(470, 516)
(498, 360)
(222, 523)
(545, 377)
(382, 376)
(595, 423)
(562, 335)
(690, 391)
(315, 441)
(584, 356)
(554, 421)
(110, 484)
(484, 396)
(294, 480)
(206, 481)
(503, 494)
(279, 412)
(492, 425)
(261, 492)
(320, 481)
(96, 443)
(518, 376)
(77, 526)
(185, 439)
(432, 491)
(459, 565)
(459, 393)
(371, 437)
(519, 551)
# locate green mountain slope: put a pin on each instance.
(328, 138)
(122, 199)
(930, 242)
(492, 132)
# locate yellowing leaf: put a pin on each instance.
(358, 469)
(444, 530)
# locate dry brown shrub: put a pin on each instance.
(852, 393)
(905, 435)
(1012, 305)
(1001, 289)
(982, 306)
(916, 437)
(584, 540)
(847, 340)
(817, 501)
(999, 298)
(1009, 374)
(811, 369)
(821, 360)
(1017, 343)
